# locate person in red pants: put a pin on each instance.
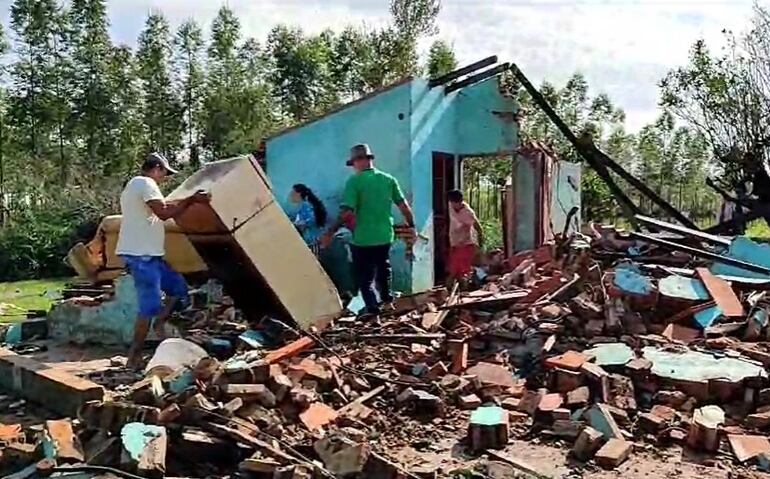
(465, 236)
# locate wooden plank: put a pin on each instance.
(723, 294)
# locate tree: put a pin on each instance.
(441, 59)
(190, 76)
(726, 97)
(35, 25)
(94, 115)
(161, 107)
(239, 107)
(122, 72)
(301, 71)
(415, 18)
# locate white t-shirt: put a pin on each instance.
(141, 232)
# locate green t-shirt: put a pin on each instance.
(371, 195)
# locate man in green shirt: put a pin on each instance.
(369, 195)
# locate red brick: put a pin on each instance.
(639, 365)
(758, 420)
(511, 404)
(667, 413)
(675, 332)
(10, 433)
(493, 374)
(290, 350)
(470, 401)
(458, 350)
(550, 402)
(613, 453)
(650, 422)
(588, 442)
(530, 402)
(578, 397)
(571, 360)
(567, 380)
(561, 414)
(317, 416)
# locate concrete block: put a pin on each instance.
(39, 383)
(578, 397)
(613, 453)
(488, 428)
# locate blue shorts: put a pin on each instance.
(153, 276)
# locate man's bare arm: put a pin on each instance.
(173, 209)
(479, 231)
(406, 211)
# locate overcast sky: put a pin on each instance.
(623, 47)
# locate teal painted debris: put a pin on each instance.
(611, 354)
(698, 367)
(630, 279)
(489, 416)
(706, 318)
(135, 436)
(676, 286)
(744, 249)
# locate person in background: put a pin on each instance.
(311, 215)
(369, 195)
(465, 237)
(141, 246)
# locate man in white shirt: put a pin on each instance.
(141, 246)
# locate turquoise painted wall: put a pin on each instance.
(404, 126)
(315, 154)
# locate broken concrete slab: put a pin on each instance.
(611, 354)
(696, 366)
(246, 238)
(39, 383)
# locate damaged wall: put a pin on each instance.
(404, 125)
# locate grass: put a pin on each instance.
(27, 295)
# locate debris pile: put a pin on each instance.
(604, 343)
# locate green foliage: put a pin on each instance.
(441, 59)
(78, 113)
(726, 98)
